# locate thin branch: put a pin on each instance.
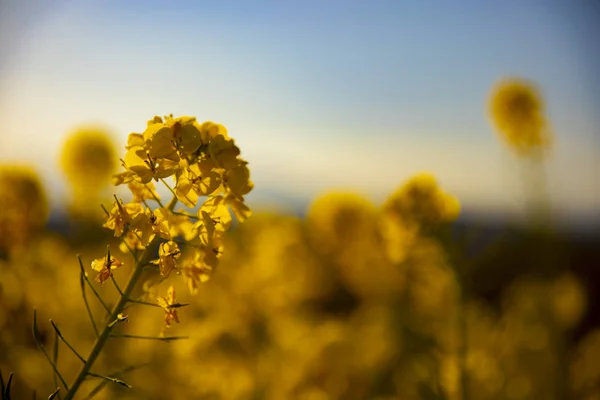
(168, 187)
(60, 335)
(183, 242)
(41, 347)
(101, 385)
(156, 198)
(55, 359)
(164, 339)
(146, 204)
(87, 305)
(92, 286)
(183, 214)
(110, 379)
(145, 303)
(116, 284)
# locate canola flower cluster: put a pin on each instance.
(201, 160)
(204, 161)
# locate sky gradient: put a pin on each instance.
(319, 95)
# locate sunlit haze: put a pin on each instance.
(349, 95)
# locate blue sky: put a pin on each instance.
(354, 95)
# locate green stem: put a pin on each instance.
(60, 335)
(92, 286)
(87, 305)
(162, 338)
(117, 374)
(145, 303)
(184, 214)
(55, 357)
(114, 314)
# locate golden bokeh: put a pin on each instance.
(517, 112)
(24, 205)
(89, 158)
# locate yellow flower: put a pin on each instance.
(193, 182)
(209, 130)
(186, 134)
(120, 215)
(224, 152)
(421, 201)
(149, 224)
(516, 110)
(239, 208)
(168, 253)
(159, 142)
(104, 267)
(237, 180)
(216, 207)
(169, 305)
(135, 139)
(146, 167)
(89, 158)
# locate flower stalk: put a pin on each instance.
(114, 314)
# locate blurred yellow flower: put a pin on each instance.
(23, 203)
(198, 269)
(421, 201)
(340, 219)
(89, 158)
(516, 110)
